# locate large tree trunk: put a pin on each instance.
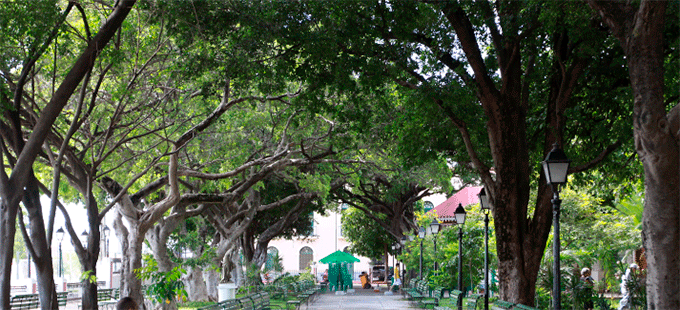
(89, 285)
(89, 255)
(8, 215)
(131, 285)
(212, 279)
(658, 150)
(640, 32)
(196, 286)
(157, 237)
(42, 255)
(521, 239)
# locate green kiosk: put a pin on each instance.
(339, 266)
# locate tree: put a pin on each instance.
(290, 219)
(504, 76)
(25, 153)
(641, 29)
(141, 218)
(366, 236)
(388, 201)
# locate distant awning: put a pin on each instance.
(339, 257)
(466, 196)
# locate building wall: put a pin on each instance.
(326, 240)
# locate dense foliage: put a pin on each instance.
(230, 122)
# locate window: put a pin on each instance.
(428, 205)
(306, 257)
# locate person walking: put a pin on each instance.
(625, 287)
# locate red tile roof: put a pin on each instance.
(466, 196)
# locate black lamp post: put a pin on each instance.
(106, 233)
(410, 238)
(434, 228)
(421, 235)
(485, 206)
(395, 251)
(402, 243)
(460, 220)
(60, 237)
(555, 167)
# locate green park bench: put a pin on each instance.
(32, 301)
(523, 307)
(422, 291)
(501, 305)
(246, 303)
(471, 301)
(62, 299)
(231, 304)
(261, 301)
(411, 287)
(106, 298)
(455, 298)
(25, 301)
(434, 300)
(302, 294)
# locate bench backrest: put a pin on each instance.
(501, 305)
(260, 300)
(412, 283)
(423, 288)
(471, 301)
(246, 303)
(104, 294)
(437, 293)
(30, 301)
(524, 307)
(456, 297)
(62, 299)
(231, 304)
(26, 301)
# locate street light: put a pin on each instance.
(60, 237)
(106, 231)
(485, 206)
(555, 167)
(434, 228)
(403, 242)
(395, 251)
(460, 220)
(421, 235)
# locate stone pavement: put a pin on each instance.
(359, 300)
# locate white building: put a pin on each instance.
(299, 253)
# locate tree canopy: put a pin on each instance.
(269, 110)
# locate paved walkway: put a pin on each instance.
(359, 300)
